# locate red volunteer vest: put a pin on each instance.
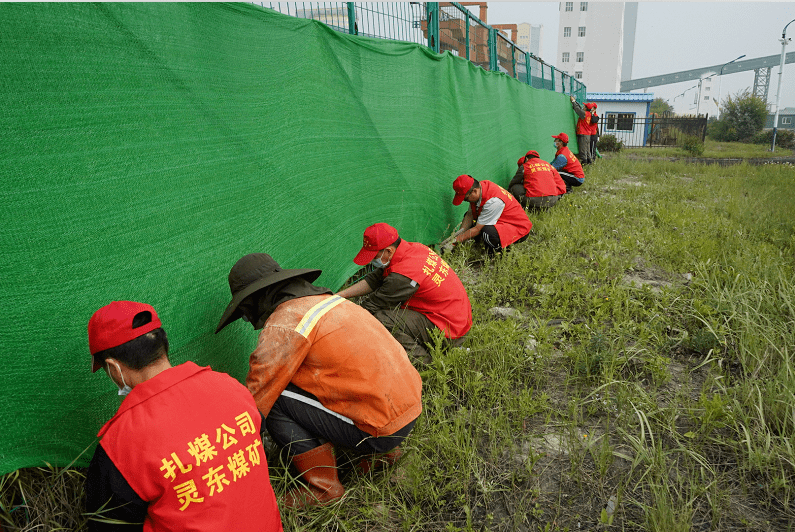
(441, 296)
(573, 165)
(187, 441)
(594, 127)
(541, 179)
(584, 124)
(513, 223)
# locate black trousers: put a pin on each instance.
(491, 239)
(298, 423)
(569, 179)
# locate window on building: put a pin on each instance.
(706, 89)
(569, 6)
(621, 121)
(706, 98)
(577, 74)
(565, 58)
(581, 32)
(567, 31)
(786, 120)
(583, 6)
(580, 57)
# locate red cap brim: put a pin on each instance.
(365, 256)
(459, 198)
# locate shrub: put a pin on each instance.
(721, 130)
(691, 144)
(745, 113)
(785, 138)
(608, 143)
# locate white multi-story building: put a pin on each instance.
(529, 37)
(596, 42)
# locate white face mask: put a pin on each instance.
(126, 389)
(378, 264)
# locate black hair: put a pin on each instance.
(139, 352)
(395, 244)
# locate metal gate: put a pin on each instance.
(652, 131)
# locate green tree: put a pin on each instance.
(744, 113)
(660, 106)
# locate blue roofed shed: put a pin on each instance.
(618, 112)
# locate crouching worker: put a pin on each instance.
(183, 452)
(413, 291)
(566, 163)
(537, 184)
(494, 216)
(325, 372)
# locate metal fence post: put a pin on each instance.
(513, 60)
(352, 29)
(543, 83)
(493, 50)
(433, 26)
(527, 68)
(552, 75)
(467, 21)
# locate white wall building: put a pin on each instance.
(529, 37)
(596, 42)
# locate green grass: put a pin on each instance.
(646, 383)
(713, 149)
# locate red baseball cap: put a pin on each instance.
(376, 238)
(563, 137)
(112, 326)
(462, 185)
(532, 154)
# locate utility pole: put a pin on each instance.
(784, 42)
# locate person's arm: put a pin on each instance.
(359, 289)
(110, 497)
(577, 108)
(279, 353)
(518, 178)
(469, 229)
(372, 281)
(396, 290)
(559, 162)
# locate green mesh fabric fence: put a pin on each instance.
(146, 147)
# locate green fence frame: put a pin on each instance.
(442, 27)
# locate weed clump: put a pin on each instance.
(609, 143)
(692, 145)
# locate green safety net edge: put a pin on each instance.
(146, 147)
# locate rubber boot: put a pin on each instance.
(318, 468)
(379, 461)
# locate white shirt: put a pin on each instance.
(492, 210)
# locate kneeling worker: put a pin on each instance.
(325, 372)
(495, 217)
(412, 291)
(536, 184)
(184, 451)
(567, 165)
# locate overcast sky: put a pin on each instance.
(675, 36)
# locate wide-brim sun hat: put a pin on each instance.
(254, 272)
